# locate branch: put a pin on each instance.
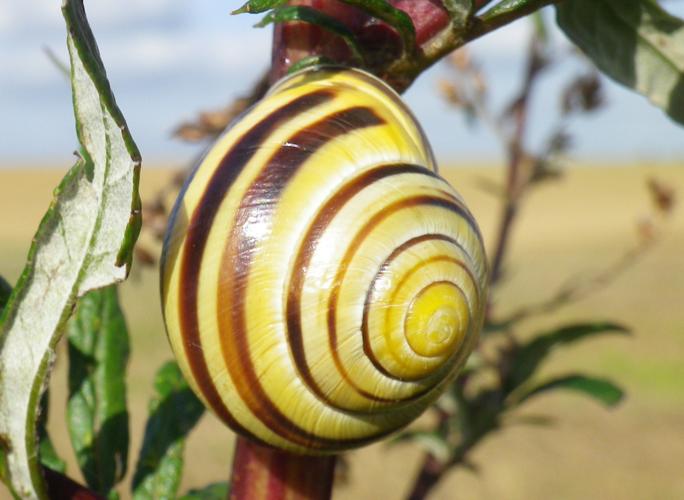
(505, 13)
(517, 181)
(436, 34)
(572, 292)
(405, 70)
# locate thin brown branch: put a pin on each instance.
(517, 181)
(210, 124)
(431, 471)
(574, 291)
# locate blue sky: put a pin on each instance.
(167, 59)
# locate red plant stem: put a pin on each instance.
(295, 41)
(261, 473)
(380, 43)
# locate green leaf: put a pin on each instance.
(258, 6)
(432, 442)
(84, 241)
(459, 11)
(290, 13)
(529, 356)
(307, 62)
(215, 491)
(506, 7)
(531, 420)
(174, 411)
(48, 454)
(96, 411)
(635, 42)
(397, 18)
(602, 390)
(380, 9)
(5, 292)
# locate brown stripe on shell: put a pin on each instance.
(306, 250)
(264, 193)
(451, 203)
(367, 348)
(198, 231)
(390, 93)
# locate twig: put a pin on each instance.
(573, 292)
(516, 183)
(405, 70)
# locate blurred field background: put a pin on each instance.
(570, 227)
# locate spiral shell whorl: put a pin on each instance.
(320, 282)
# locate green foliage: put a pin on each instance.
(47, 452)
(96, 411)
(527, 358)
(315, 17)
(380, 9)
(602, 390)
(307, 62)
(506, 7)
(5, 292)
(635, 42)
(215, 491)
(398, 19)
(83, 242)
(470, 411)
(174, 411)
(460, 11)
(258, 6)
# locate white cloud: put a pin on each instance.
(147, 55)
(126, 10)
(28, 15)
(161, 53)
(5, 20)
(136, 41)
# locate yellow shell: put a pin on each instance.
(321, 284)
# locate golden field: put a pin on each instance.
(569, 228)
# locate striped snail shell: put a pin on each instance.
(321, 283)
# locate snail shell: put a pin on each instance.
(321, 283)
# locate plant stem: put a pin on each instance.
(405, 70)
(261, 473)
(517, 180)
(430, 473)
(436, 36)
(381, 44)
(498, 17)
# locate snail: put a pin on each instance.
(321, 283)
